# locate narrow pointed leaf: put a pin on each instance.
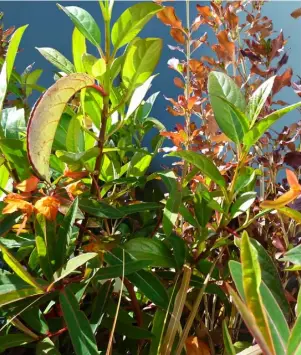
(229, 348)
(78, 49)
(281, 201)
(14, 341)
(294, 344)
(57, 59)
(79, 328)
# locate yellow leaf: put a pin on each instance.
(283, 200)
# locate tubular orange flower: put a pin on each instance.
(17, 202)
(48, 206)
(287, 197)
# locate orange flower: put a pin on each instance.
(48, 206)
(287, 197)
(29, 184)
(15, 203)
(76, 188)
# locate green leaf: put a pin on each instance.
(293, 255)
(203, 163)
(294, 344)
(112, 272)
(291, 213)
(46, 347)
(277, 322)
(31, 80)
(78, 49)
(251, 274)
(258, 99)
(7, 222)
(57, 59)
(14, 340)
(45, 117)
(71, 266)
(18, 268)
(138, 208)
(179, 250)
(171, 209)
(229, 348)
(263, 125)
(141, 58)
(3, 85)
(157, 330)
(65, 234)
(138, 95)
(150, 249)
(131, 22)
(79, 328)
(35, 319)
(270, 276)
(139, 164)
(249, 321)
(99, 305)
(151, 287)
(221, 85)
(243, 203)
(84, 22)
(12, 49)
(99, 209)
(42, 246)
(186, 214)
(75, 141)
(4, 177)
(13, 289)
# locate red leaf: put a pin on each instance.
(169, 17)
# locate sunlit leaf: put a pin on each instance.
(57, 59)
(230, 350)
(78, 49)
(14, 340)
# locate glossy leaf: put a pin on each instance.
(139, 208)
(251, 282)
(65, 234)
(131, 22)
(229, 348)
(221, 85)
(249, 321)
(3, 85)
(70, 266)
(150, 249)
(46, 347)
(293, 255)
(263, 125)
(258, 98)
(79, 328)
(78, 49)
(14, 340)
(294, 344)
(291, 213)
(75, 141)
(139, 164)
(35, 319)
(270, 275)
(141, 58)
(57, 59)
(99, 305)
(203, 163)
(179, 250)
(243, 203)
(13, 263)
(84, 22)
(99, 209)
(13, 122)
(277, 322)
(171, 210)
(45, 118)
(13, 49)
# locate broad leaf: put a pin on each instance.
(131, 22)
(258, 99)
(262, 126)
(13, 122)
(14, 340)
(251, 282)
(79, 328)
(171, 209)
(139, 164)
(179, 250)
(57, 59)
(9, 221)
(78, 49)
(203, 163)
(141, 58)
(221, 85)
(71, 266)
(293, 255)
(13, 49)
(45, 118)
(150, 249)
(99, 209)
(46, 346)
(13, 263)
(243, 203)
(84, 22)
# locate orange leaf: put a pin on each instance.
(15, 203)
(177, 35)
(48, 206)
(225, 50)
(178, 82)
(75, 174)
(29, 184)
(296, 13)
(169, 17)
(292, 179)
(195, 346)
(76, 188)
(283, 200)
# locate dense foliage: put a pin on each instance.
(100, 255)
